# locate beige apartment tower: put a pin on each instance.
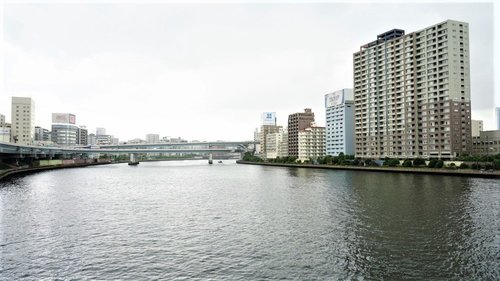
(412, 94)
(23, 120)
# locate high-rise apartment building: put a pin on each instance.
(412, 93)
(2, 120)
(23, 120)
(298, 122)
(340, 122)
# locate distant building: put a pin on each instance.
(103, 139)
(42, 134)
(412, 93)
(497, 115)
(83, 135)
(265, 130)
(298, 122)
(488, 143)
(477, 126)
(4, 134)
(63, 118)
(340, 123)
(152, 138)
(312, 142)
(4, 130)
(256, 139)
(268, 118)
(91, 139)
(277, 144)
(100, 131)
(64, 131)
(23, 120)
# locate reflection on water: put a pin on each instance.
(191, 220)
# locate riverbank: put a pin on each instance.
(4, 174)
(429, 171)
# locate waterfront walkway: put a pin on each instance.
(414, 170)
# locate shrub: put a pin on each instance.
(391, 162)
(407, 163)
(418, 162)
(432, 163)
(464, 166)
(439, 164)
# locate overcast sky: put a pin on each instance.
(207, 71)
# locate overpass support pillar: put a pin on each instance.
(210, 161)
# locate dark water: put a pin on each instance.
(191, 221)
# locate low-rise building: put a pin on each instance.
(487, 143)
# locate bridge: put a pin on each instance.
(16, 151)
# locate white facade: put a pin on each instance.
(268, 118)
(277, 144)
(477, 126)
(153, 138)
(497, 116)
(264, 131)
(312, 142)
(340, 122)
(100, 131)
(4, 134)
(23, 120)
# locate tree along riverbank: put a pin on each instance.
(385, 169)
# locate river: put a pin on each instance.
(187, 220)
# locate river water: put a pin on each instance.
(187, 220)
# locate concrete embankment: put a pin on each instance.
(22, 171)
(428, 171)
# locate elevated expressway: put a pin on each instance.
(12, 150)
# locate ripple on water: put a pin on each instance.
(189, 220)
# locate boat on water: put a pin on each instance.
(219, 162)
(133, 163)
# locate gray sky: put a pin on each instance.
(207, 71)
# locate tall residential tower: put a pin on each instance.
(23, 120)
(412, 93)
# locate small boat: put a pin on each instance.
(219, 162)
(133, 163)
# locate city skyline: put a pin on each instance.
(208, 71)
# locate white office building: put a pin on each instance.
(340, 122)
(23, 120)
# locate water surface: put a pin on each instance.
(185, 220)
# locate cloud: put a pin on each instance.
(207, 71)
